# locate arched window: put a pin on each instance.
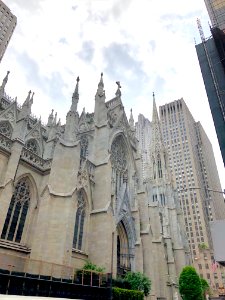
(84, 146)
(32, 145)
(159, 167)
(6, 129)
(17, 212)
(79, 222)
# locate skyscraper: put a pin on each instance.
(7, 26)
(216, 10)
(194, 169)
(211, 60)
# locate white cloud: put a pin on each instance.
(154, 40)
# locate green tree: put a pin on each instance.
(138, 281)
(190, 286)
(205, 287)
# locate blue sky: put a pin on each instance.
(148, 45)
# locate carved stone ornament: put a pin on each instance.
(82, 179)
(35, 134)
(5, 129)
(112, 117)
(10, 116)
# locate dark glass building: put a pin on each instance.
(211, 56)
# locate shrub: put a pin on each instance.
(138, 281)
(92, 267)
(123, 294)
(190, 286)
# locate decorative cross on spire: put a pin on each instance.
(118, 92)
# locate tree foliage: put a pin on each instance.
(205, 287)
(190, 285)
(138, 281)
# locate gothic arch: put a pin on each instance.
(33, 188)
(130, 158)
(81, 223)
(33, 145)
(18, 220)
(6, 128)
(125, 246)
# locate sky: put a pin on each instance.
(147, 45)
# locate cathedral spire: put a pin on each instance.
(32, 99)
(156, 130)
(75, 97)
(2, 87)
(155, 117)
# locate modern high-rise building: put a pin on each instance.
(211, 56)
(216, 10)
(194, 169)
(7, 25)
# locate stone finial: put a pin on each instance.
(131, 120)
(100, 90)
(59, 123)
(55, 119)
(32, 98)
(5, 80)
(118, 92)
(50, 118)
(75, 97)
(27, 100)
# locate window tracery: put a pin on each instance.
(17, 212)
(32, 145)
(84, 146)
(118, 155)
(80, 219)
(6, 129)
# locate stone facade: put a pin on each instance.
(74, 192)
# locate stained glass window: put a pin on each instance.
(80, 219)
(6, 129)
(17, 212)
(32, 145)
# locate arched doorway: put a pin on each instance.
(123, 250)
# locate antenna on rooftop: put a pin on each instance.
(200, 30)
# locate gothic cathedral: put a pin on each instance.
(77, 191)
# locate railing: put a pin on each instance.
(112, 103)
(36, 160)
(37, 269)
(5, 142)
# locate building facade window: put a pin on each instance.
(79, 222)
(84, 146)
(17, 212)
(32, 145)
(6, 129)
